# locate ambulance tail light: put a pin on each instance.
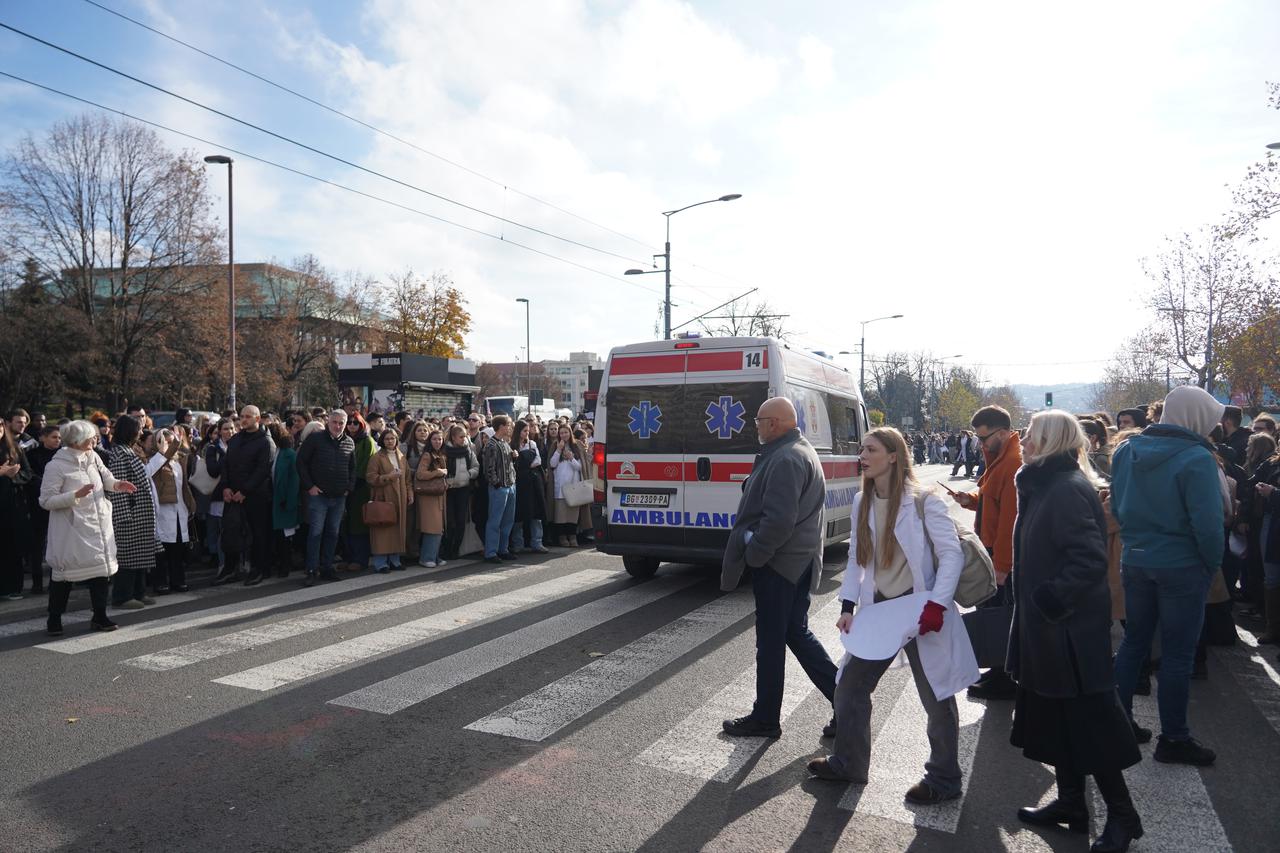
(598, 460)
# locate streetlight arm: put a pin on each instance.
(729, 197)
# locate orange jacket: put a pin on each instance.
(998, 500)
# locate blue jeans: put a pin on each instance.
(385, 562)
(429, 549)
(1174, 599)
(324, 520)
(535, 534)
(213, 537)
(502, 514)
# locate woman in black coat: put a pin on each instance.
(1067, 714)
(531, 492)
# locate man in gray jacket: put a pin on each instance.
(778, 533)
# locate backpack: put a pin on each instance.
(978, 575)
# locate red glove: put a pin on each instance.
(931, 617)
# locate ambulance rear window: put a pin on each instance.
(721, 417)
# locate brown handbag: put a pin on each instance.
(423, 486)
(379, 514)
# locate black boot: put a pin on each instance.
(1069, 807)
(59, 595)
(1123, 824)
(98, 597)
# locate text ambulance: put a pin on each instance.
(676, 438)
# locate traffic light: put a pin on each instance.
(1048, 399)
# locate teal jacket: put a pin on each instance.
(1165, 494)
(287, 490)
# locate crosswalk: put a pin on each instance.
(274, 642)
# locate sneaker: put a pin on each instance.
(541, 550)
(924, 794)
(440, 563)
(131, 604)
(494, 559)
(1187, 751)
(748, 726)
(429, 565)
(14, 596)
(506, 558)
(146, 599)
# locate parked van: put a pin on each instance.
(676, 439)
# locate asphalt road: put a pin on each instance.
(552, 705)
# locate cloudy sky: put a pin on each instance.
(993, 171)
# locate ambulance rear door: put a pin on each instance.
(644, 436)
(726, 380)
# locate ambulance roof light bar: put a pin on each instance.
(687, 340)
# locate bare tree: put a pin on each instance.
(120, 225)
(1204, 287)
(743, 318)
(1257, 196)
(1138, 374)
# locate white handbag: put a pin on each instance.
(578, 493)
(202, 481)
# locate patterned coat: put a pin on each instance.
(133, 516)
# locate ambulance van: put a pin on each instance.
(676, 438)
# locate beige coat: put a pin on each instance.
(82, 540)
(431, 507)
(388, 484)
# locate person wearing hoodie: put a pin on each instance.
(1166, 495)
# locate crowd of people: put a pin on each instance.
(125, 508)
(1155, 522)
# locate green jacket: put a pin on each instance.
(365, 448)
(288, 489)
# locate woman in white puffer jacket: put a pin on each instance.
(82, 545)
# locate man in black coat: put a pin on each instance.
(246, 478)
(327, 472)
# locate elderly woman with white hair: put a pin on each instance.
(82, 544)
(1067, 712)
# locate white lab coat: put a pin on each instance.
(946, 655)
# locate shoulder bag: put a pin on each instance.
(424, 486)
(578, 493)
(202, 481)
(378, 514)
(978, 576)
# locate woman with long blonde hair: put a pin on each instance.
(904, 542)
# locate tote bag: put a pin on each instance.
(578, 493)
(379, 514)
(202, 481)
(978, 577)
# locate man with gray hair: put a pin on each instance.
(327, 471)
(778, 534)
(247, 493)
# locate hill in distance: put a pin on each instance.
(1074, 398)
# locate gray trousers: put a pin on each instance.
(852, 756)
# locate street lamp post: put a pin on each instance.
(862, 360)
(223, 160)
(528, 354)
(666, 258)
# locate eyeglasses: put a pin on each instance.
(983, 438)
(770, 418)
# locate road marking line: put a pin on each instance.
(1176, 811)
(261, 635)
(897, 762)
(421, 683)
(317, 661)
(544, 712)
(225, 613)
(75, 617)
(696, 746)
(1258, 678)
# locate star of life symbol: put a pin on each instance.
(725, 418)
(646, 419)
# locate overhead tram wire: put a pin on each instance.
(313, 149)
(328, 182)
(389, 135)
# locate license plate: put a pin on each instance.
(641, 499)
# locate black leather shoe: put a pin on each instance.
(1140, 734)
(162, 590)
(1074, 814)
(54, 626)
(748, 726)
(1117, 835)
(180, 588)
(821, 768)
(103, 624)
(494, 560)
(923, 794)
(999, 686)
(506, 557)
(309, 580)
(254, 579)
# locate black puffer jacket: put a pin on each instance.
(329, 463)
(247, 467)
(1060, 643)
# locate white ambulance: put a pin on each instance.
(675, 439)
